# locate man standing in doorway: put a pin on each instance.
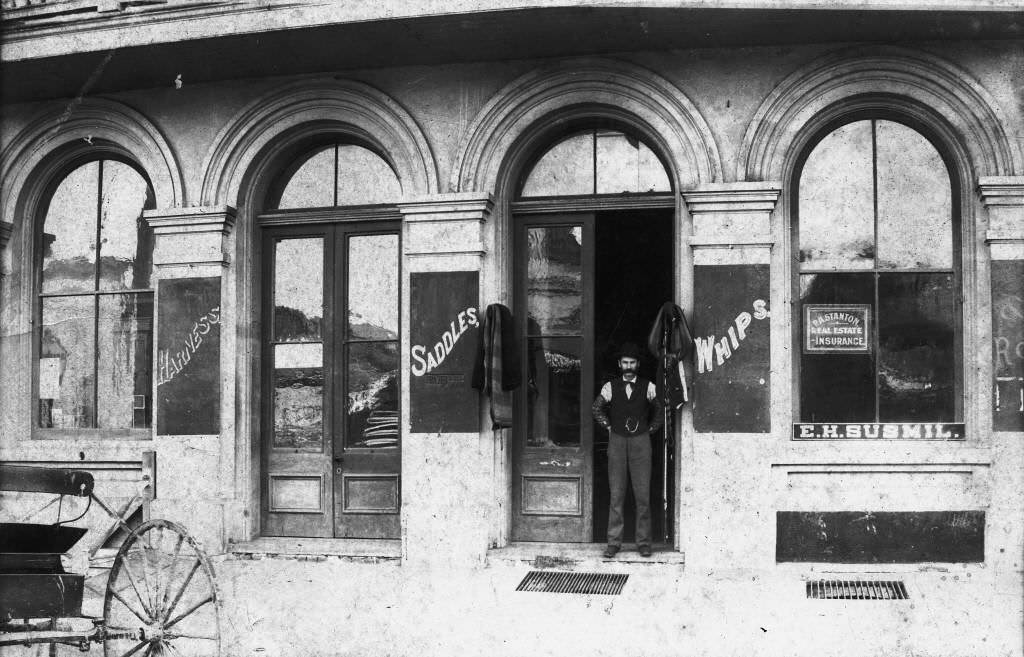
(629, 408)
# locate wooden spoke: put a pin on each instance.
(131, 580)
(138, 646)
(197, 637)
(181, 591)
(187, 612)
(127, 606)
(170, 576)
(170, 648)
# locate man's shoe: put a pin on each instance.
(645, 550)
(611, 551)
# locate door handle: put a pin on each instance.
(558, 464)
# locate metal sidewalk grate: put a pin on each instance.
(838, 589)
(550, 581)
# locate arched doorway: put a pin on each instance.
(593, 228)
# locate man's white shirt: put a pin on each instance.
(606, 390)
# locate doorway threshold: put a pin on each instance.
(573, 555)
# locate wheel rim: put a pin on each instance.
(161, 596)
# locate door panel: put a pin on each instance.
(296, 461)
(331, 452)
(366, 449)
(552, 447)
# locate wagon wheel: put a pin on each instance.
(161, 596)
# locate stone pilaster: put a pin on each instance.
(1003, 198)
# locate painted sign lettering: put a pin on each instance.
(879, 430)
(1008, 345)
(832, 328)
(711, 352)
(424, 360)
(169, 366)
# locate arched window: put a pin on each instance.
(96, 300)
(335, 175)
(878, 279)
(596, 162)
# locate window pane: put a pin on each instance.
(298, 289)
(364, 177)
(914, 201)
(837, 202)
(373, 287)
(66, 361)
(126, 246)
(568, 168)
(69, 232)
(298, 396)
(554, 292)
(553, 392)
(124, 377)
(312, 184)
(372, 414)
(837, 387)
(624, 164)
(916, 369)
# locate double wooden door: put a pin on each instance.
(330, 386)
(552, 453)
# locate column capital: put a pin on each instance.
(1003, 197)
(732, 221)
(192, 238)
(446, 224)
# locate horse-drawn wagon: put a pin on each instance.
(160, 596)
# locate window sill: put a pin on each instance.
(575, 556)
(317, 549)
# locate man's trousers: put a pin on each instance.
(632, 455)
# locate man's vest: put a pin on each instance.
(630, 415)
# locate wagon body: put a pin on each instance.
(160, 595)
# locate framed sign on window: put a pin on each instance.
(831, 328)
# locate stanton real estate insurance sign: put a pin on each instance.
(830, 328)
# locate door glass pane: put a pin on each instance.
(914, 201)
(126, 245)
(625, 164)
(312, 184)
(916, 327)
(69, 232)
(298, 396)
(66, 361)
(837, 386)
(553, 392)
(298, 289)
(554, 288)
(373, 396)
(365, 178)
(373, 287)
(566, 169)
(124, 377)
(837, 202)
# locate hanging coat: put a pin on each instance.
(496, 368)
(670, 341)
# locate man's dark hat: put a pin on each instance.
(629, 350)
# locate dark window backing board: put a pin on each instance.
(880, 537)
(1008, 344)
(731, 322)
(188, 356)
(445, 321)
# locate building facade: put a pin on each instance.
(248, 250)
